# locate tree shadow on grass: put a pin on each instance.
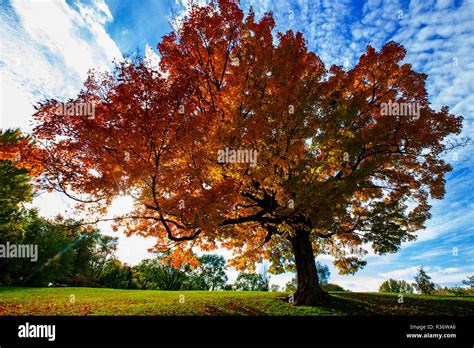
(234, 310)
(380, 304)
(350, 306)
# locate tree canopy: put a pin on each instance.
(398, 286)
(313, 157)
(423, 282)
(16, 167)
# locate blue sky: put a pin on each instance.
(47, 46)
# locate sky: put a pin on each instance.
(47, 47)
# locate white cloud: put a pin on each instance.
(323, 23)
(358, 283)
(152, 61)
(184, 7)
(47, 49)
(405, 273)
(430, 254)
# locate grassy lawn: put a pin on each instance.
(90, 301)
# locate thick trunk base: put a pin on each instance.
(308, 292)
(311, 297)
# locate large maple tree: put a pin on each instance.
(331, 171)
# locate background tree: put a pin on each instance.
(251, 282)
(333, 287)
(169, 278)
(329, 166)
(274, 288)
(156, 273)
(105, 249)
(469, 281)
(63, 257)
(85, 249)
(15, 186)
(211, 272)
(323, 273)
(291, 285)
(423, 282)
(116, 275)
(145, 272)
(68, 254)
(453, 291)
(397, 286)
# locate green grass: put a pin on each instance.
(90, 301)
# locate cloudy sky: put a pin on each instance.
(47, 47)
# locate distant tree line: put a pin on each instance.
(66, 256)
(155, 273)
(425, 286)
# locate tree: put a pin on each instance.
(116, 275)
(454, 291)
(55, 259)
(469, 281)
(85, 248)
(156, 273)
(254, 145)
(323, 273)
(291, 286)
(170, 278)
(251, 282)
(423, 282)
(144, 274)
(333, 287)
(211, 272)
(105, 248)
(397, 286)
(15, 188)
(274, 288)
(14, 185)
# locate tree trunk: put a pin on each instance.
(308, 292)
